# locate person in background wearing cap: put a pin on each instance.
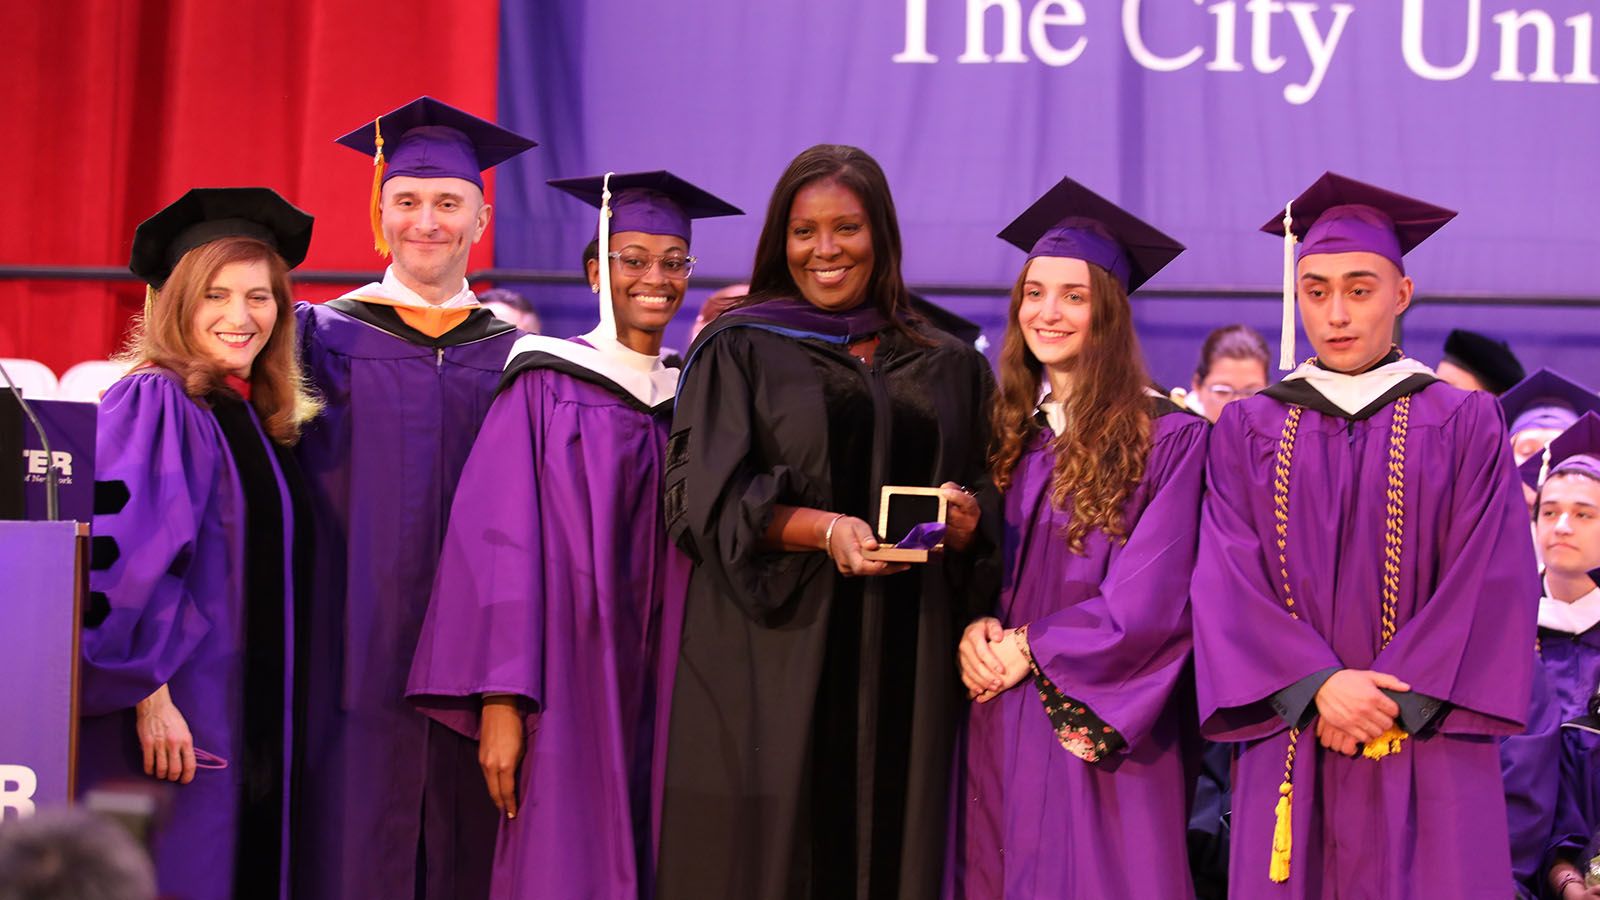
(200, 538)
(512, 307)
(1540, 407)
(1076, 785)
(556, 605)
(392, 803)
(1567, 529)
(814, 708)
(1363, 603)
(1233, 366)
(1476, 362)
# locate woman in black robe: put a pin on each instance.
(815, 703)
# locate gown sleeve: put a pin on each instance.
(1247, 645)
(723, 478)
(1121, 653)
(484, 629)
(1467, 645)
(157, 470)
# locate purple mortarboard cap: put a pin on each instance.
(1546, 400)
(652, 202)
(429, 139)
(1576, 449)
(1341, 215)
(1072, 222)
(204, 215)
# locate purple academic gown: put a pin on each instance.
(392, 804)
(1530, 764)
(1572, 666)
(557, 585)
(1430, 820)
(169, 608)
(1110, 630)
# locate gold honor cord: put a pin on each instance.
(1394, 532)
(1393, 542)
(1283, 826)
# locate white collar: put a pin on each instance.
(1353, 393)
(1055, 411)
(1576, 617)
(641, 375)
(393, 289)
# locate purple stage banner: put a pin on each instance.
(1203, 116)
(38, 664)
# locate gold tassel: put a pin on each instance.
(149, 301)
(1282, 833)
(378, 168)
(1385, 744)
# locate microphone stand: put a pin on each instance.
(52, 500)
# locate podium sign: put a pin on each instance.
(43, 567)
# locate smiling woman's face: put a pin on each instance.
(235, 318)
(829, 245)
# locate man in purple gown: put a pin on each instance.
(1363, 606)
(390, 804)
(553, 627)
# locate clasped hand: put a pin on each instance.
(1353, 710)
(991, 658)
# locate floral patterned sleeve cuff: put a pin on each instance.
(1083, 734)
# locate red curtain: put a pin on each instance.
(114, 108)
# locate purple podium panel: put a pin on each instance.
(70, 426)
(41, 578)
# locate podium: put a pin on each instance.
(43, 582)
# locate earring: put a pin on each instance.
(594, 288)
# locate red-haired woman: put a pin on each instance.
(1073, 784)
(187, 673)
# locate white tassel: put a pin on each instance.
(1286, 340)
(607, 330)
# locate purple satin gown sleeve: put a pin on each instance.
(1467, 645)
(1247, 645)
(483, 630)
(1122, 652)
(151, 438)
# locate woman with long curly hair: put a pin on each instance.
(814, 706)
(198, 542)
(1074, 785)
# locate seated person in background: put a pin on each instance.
(1477, 362)
(1537, 409)
(71, 854)
(718, 303)
(510, 306)
(1567, 528)
(1233, 366)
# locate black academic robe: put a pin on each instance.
(813, 715)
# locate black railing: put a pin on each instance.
(536, 276)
